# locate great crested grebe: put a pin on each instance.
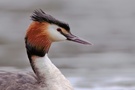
(44, 30)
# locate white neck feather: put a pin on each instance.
(52, 76)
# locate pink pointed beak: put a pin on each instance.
(74, 38)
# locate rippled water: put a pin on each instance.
(109, 24)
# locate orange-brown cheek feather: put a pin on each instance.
(37, 35)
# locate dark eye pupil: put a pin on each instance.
(58, 29)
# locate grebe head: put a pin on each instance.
(44, 30)
(55, 29)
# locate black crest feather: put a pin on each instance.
(41, 16)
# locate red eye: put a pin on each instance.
(58, 29)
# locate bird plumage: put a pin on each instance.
(42, 32)
(18, 81)
(41, 16)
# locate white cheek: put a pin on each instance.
(54, 34)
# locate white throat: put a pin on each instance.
(50, 74)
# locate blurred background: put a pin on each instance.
(109, 64)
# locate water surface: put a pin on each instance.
(109, 24)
